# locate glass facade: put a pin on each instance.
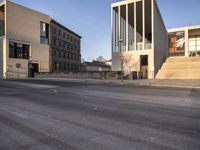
(122, 43)
(139, 25)
(115, 36)
(194, 45)
(132, 26)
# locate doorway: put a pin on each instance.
(33, 68)
(144, 67)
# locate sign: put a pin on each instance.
(18, 65)
(177, 43)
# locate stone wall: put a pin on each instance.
(111, 75)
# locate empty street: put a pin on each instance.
(80, 115)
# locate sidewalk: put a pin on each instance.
(156, 83)
(168, 83)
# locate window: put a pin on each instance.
(60, 44)
(18, 50)
(67, 47)
(71, 39)
(64, 35)
(54, 41)
(63, 44)
(54, 30)
(59, 33)
(44, 33)
(68, 37)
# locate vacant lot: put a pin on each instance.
(75, 115)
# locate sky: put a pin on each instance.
(91, 19)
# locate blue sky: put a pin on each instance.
(91, 19)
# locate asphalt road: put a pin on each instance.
(69, 115)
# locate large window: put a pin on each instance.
(115, 36)
(44, 33)
(131, 28)
(139, 25)
(123, 27)
(148, 24)
(18, 50)
(194, 45)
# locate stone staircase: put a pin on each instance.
(180, 68)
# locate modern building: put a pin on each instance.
(184, 41)
(26, 42)
(65, 48)
(184, 52)
(139, 37)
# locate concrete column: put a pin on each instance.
(135, 30)
(119, 27)
(127, 46)
(143, 21)
(186, 43)
(153, 41)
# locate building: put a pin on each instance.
(184, 52)
(26, 44)
(184, 41)
(95, 66)
(65, 48)
(137, 28)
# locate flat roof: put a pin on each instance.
(184, 28)
(62, 26)
(123, 2)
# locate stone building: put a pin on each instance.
(65, 48)
(32, 42)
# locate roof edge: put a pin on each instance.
(62, 26)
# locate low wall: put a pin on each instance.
(109, 75)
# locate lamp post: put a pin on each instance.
(121, 58)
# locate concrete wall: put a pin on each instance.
(132, 61)
(95, 68)
(23, 25)
(160, 39)
(109, 75)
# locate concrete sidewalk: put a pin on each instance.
(156, 83)
(168, 83)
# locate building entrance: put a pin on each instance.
(33, 68)
(144, 67)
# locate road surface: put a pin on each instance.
(73, 115)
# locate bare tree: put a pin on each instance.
(100, 58)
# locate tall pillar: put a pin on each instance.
(186, 43)
(135, 26)
(119, 27)
(143, 22)
(127, 45)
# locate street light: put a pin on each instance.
(121, 58)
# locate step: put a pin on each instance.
(179, 74)
(182, 59)
(181, 65)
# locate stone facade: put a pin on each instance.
(65, 49)
(32, 42)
